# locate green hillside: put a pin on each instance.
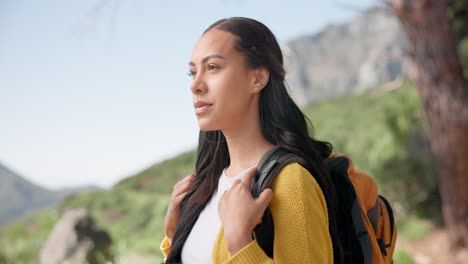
(384, 133)
(382, 130)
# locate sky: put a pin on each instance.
(94, 91)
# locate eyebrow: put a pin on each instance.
(207, 58)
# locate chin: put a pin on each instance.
(205, 125)
(205, 128)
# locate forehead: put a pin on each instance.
(214, 42)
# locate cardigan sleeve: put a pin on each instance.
(300, 217)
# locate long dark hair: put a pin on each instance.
(282, 124)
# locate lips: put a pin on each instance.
(200, 104)
(201, 107)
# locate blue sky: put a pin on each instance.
(92, 91)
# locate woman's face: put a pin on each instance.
(222, 86)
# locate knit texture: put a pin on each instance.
(300, 217)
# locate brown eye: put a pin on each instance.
(211, 67)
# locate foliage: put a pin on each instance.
(384, 133)
(162, 176)
(463, 54)
(22, 240)
(457, 12)
(401, 256)
(413, 227)
(382, 130)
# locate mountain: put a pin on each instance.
(358, 55)
(20, 197)
(381, 129)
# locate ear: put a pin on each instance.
(260, 79)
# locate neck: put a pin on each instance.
(246, 145)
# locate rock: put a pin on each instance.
(76, 239)
(346, 58)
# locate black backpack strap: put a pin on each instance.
(267, 169)
(338, 167)
(271, 163)
(390, 213)
(382, 245)
(361, 232)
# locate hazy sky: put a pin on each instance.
(92, 91)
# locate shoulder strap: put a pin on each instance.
(271, 163)
(349, 211)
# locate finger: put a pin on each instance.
(187, 178)
(248, 178)
(224, 195)
(236, 182)
(182, 188)
(265, 197)
(178, 199)
(186, 185)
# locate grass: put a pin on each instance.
(401, 256)
(414, 228)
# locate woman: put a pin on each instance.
(243, 110)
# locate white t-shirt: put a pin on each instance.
(198, 246)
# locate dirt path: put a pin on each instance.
(433, 248)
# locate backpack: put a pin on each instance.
(365, 222)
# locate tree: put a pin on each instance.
(438, 73)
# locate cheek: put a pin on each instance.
(232, 96)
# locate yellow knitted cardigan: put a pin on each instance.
(300, 217)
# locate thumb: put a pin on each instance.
(265, 197)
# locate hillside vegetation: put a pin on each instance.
(383, 131)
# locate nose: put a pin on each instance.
(198, 85)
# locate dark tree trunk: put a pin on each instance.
(439, 78)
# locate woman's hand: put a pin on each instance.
(172, 215)
(240, 212)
